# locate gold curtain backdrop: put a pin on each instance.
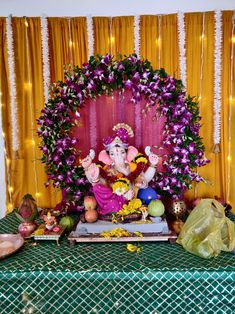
(68, 44)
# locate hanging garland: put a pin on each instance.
(217, 79)
(137, 35)
(103, 75)
(45, 57)
(181, 38)
(90, 35)
(13, 101)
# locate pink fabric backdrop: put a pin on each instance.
(110, 110)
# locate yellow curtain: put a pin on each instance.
(159, 43)
(122, 35)
(200, 83)
(101, 26)
(149, 39)
(168, 45)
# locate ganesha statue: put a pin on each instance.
(122, 170)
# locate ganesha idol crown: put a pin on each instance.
(120, 136)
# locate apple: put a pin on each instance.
(156, 208)
(91, 215)
(90, 202)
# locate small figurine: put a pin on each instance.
(50, 221)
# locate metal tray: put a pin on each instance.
(9, 244)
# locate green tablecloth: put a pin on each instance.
(106, 278)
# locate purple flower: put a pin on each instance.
(70, 160)
(45, 150)
(120, 67)
(128, 84)
(60, 177)
(135, 78)
(80, 181)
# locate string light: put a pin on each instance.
(31, 112)
(110, 34)
(11, 189)
(27, 86)
(70, 42)
(9, 207)
(230, 110)
(200, 87)
(159, 41)
(5, 173)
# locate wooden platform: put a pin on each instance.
(95, 238)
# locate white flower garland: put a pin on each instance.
(217, 77)
(13, 100)
(137, 35)
(45, 57)
(181, 39)
(90, 35)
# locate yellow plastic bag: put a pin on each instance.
(207, 231)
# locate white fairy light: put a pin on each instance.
(201, 78)
(202, 60)
(31, 114)
(5, 169)
(70, 42)
(181, 39)
(111, 34)
(230, 109)
(159, 41)
(45, 58)
(217, 77)
(13, 100)
(137, 35)
(90, 35)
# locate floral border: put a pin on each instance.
(102, 75)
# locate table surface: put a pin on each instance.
(106, 278)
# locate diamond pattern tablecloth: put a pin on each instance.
(107, 279)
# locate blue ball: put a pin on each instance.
(147, 195)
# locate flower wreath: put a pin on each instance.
(103, 75)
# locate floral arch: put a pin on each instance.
(103, 75)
